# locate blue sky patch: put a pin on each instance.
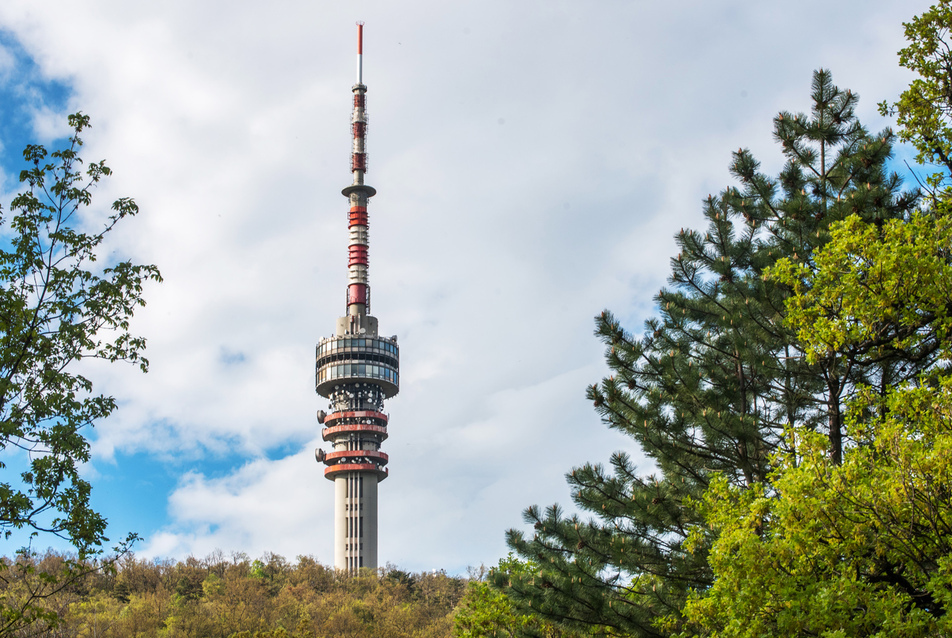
(24, 91)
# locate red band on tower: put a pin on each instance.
(357, 254)
(358, 218)
(357, 293)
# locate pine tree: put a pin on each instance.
(712, 383)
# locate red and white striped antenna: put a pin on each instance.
(359, 194)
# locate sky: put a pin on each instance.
(533, 161)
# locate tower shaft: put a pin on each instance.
(356, 370)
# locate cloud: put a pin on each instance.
(262, 506)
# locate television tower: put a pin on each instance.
(356, 371)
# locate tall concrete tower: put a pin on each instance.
(356, 371)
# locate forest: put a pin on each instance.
(220, 596)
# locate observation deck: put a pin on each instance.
(351, 359)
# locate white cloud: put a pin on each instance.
(263, 506)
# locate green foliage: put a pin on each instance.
(713, 384)
(925, 108)
(859, 545)
(98, 613)
(847, 550)
(875, 290)
(25, 583)
(56, 308)
(485, 611)
(865, 546)
(304, 599)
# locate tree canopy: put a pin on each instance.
(58, 305)
(924, 110)
(234, 596)
(864, 546)
(715, 381)
(861, 545)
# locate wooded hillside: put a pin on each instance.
(224, 596)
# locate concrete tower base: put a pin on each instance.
(355, 521)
